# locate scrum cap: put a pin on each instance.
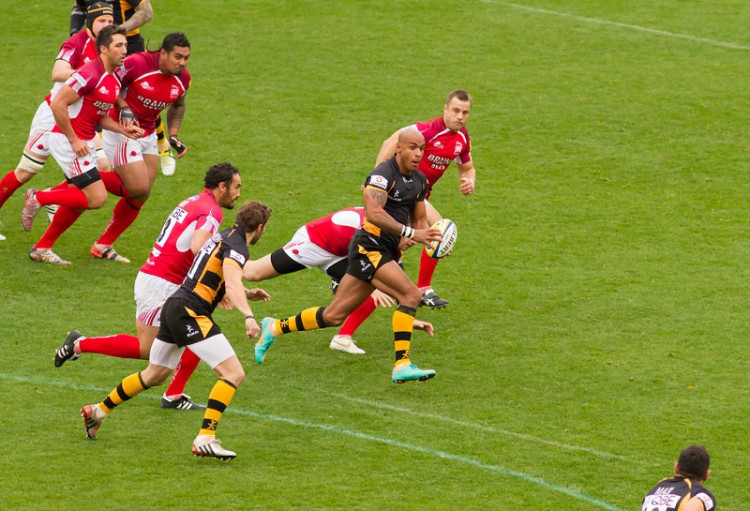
(96, 10)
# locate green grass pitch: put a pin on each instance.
(599, 287)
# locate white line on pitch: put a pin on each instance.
(664, 33)
(387, 441)
(480, 427)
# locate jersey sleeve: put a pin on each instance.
(208, 222)
(80, 82)
(708, 501)
(465, 155)
(234, 249)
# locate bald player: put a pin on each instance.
(394, 196)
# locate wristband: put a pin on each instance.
(177, 145)
(406, 231)
(249, 316)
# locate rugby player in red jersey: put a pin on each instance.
(79, 107)
(78, 50)
(151, 82)
(447, 141)
(323, 243)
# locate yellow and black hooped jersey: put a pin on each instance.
(204, 283)
(403, 192)
(670, 494)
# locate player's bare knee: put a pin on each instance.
(412, 299)
(155, 375)
(235, 377)
(96, 200)
(333, 318)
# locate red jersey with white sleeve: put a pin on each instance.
(171, 257)
(334, 232)
(148, 91)
(442, 146)
(98, 91)
(78, 50)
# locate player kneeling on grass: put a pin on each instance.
(394, 208)
(186, 321)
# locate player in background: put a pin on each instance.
(186, 322)
(394, 194)
(323, 243)
(79, 107)
(151, 82)
(128, 14)
(187, 228)
(447, 141)
(133, 14)
(78, 50)
(684, 491)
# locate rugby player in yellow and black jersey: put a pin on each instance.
(394, 208)
(129, 14)
(684, 491)
(186, 321)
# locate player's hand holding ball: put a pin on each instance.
(449, 234)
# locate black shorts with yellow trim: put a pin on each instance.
(367, 254)
(182, 323)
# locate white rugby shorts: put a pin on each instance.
(150, 294)
(43, 122)
(307, 253)
(71, 165)
(213, 351)
(122, 150)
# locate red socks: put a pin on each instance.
(64, 218)
(119, 345)
(427, 267)
(357, 317)
(124, 214)
(183, 371)
(8, 185)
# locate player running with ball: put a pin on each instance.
(394, 207)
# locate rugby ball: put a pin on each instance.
(449, 231)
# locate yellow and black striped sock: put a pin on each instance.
(308, 319)
(403, 325)
(161, 140)
(218, 401)
(128, 388)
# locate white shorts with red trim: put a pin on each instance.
(307, 253)
(150, 294)
(122, 150)
(71, 165)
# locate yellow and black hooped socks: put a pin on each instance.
(308, 319)
(218, 401)
(128, 388)
(403, 325)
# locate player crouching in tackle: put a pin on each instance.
(186, 321)
(394, 207)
